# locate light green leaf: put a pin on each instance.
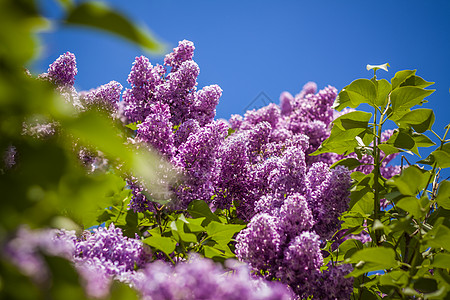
(441, 260)
(378, 67)
(414, 206)
(222, 233)
(422, 140)
(400, 77)
(383, 89)
(388, 149)
(443, 195)
(372, 259)
(100, 16)
(442, 158)
(195, 225)
(395, 278)
(177, 228)
(354, 119)
(343, 141)
(420, 119)
(410, 181)
(439, 237)
(164, 244)
(403, 98)
(362, 91)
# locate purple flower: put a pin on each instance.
(260, 244)
(180, 54)
(105, 97)
(62, 71)
(206, 100)
(295, 216)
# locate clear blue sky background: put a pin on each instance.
(272, 46)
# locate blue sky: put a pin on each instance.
(272, 46)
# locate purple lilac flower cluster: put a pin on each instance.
(105, 255)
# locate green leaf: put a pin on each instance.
(417, 207)
(122, 291)
(441, 260)
(400, 77)
(416, 81)
(438, 237)
(348, 248)
(354, 119)
(132, 126)
(410, 181)
(199, 209)
(430, 160)
(425, 285)
(383, 89)
(361, 91)
(402, 139)
(442, 158)
(443, 195)
(372, 259)
(222, 233)
(361, 200)
(164, 244)
(395, 278)
(348, 162)
(420, 119)
(343, 141)
(404, 98)
(100, 16)
(378, 67)
(195, 225)
(422, 140)
(389, 149)
(177, 228)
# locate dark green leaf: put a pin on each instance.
(402, 139)
(411, 180)
(416, 81)
(164, 244)
(394, 278)
(404, 98)
(426, 285)
(443, 196)
(400, 77)
(420, 119)
(100, 16)
(199, 209)
(354, 119)
(348, 248)
(348, 162)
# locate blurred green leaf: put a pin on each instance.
(438, 237)
(416, 207)
(425, 285)
(348, 248)
(441, 260)
(442, 158)
(122, 291)
(100, 16)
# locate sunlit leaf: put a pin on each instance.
(420, 119)
(400, 77)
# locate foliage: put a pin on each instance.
(407, 254)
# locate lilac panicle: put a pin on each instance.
(302, 261)
(270, 114)
(200, 278)
(328, 195)
(187, 128)
(180, 54)
(295, 216)
(106, 97)
(286, 101)
(157, 130)
(309, 88)
(62, 71)
(205, 103)
(260, 243)
(332, 284)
